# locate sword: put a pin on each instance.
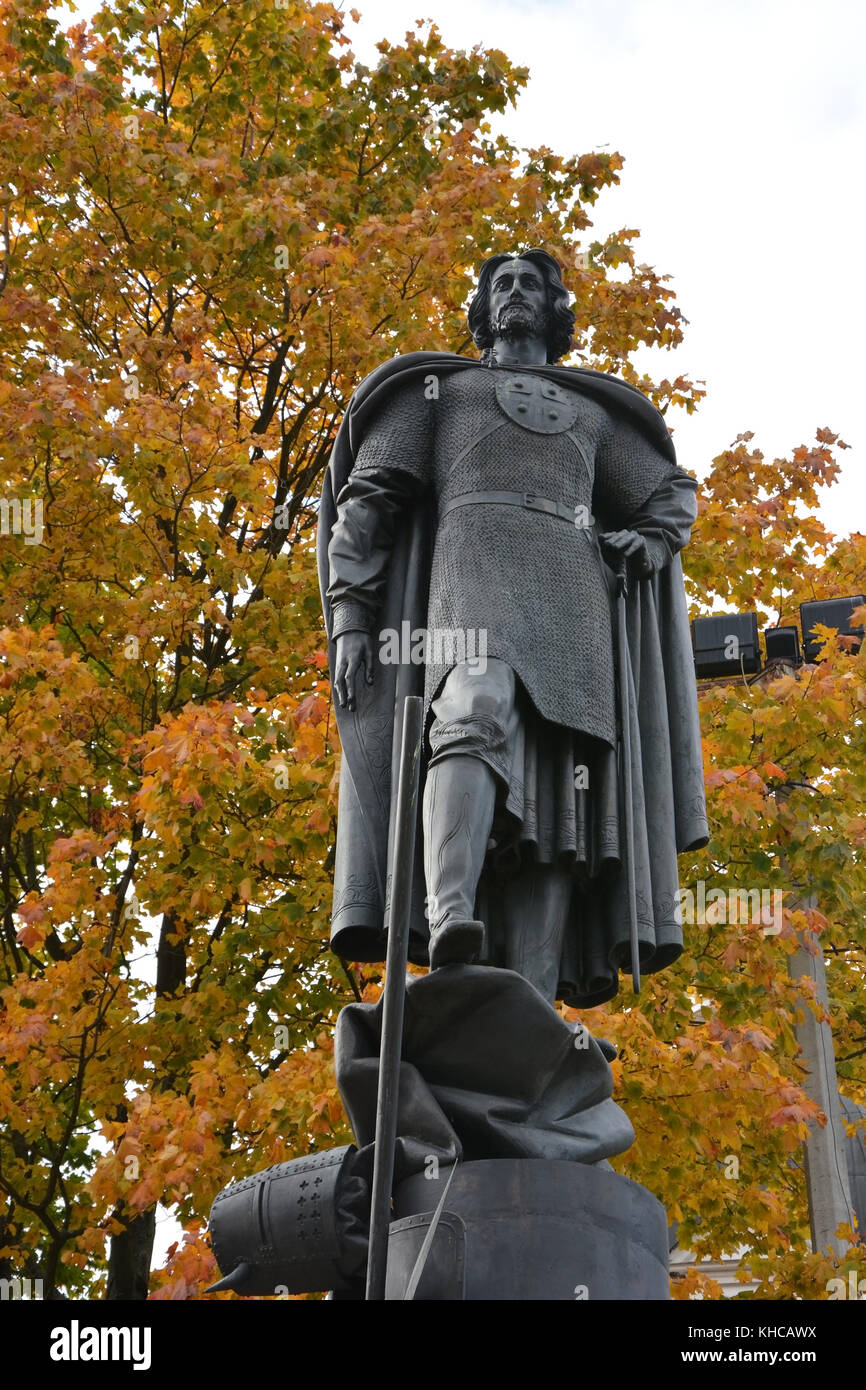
(402, 865)
(625, 724)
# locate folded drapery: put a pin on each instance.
(489, 1070)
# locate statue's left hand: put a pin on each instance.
(354, 654)
(617, 546)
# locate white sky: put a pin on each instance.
(743, 127)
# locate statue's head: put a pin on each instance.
(522, 295)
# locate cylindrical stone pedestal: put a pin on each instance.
(530, 1229)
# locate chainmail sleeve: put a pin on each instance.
(637, 488)
(399, 437)
(390, 471)
(628, 470)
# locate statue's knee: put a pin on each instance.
(474, 715)
(474, 734)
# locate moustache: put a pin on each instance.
(516, 304)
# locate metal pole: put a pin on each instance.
(825, 1163)
(625, 721)
(402, 865)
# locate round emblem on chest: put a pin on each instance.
(535, 403)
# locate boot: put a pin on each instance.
(459, 801)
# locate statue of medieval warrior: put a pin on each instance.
(473, 519)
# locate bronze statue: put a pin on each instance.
(500, 536)
(471, 525)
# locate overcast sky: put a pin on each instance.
(743, 129)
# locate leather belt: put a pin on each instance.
(530, 500)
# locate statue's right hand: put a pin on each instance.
(354, 652)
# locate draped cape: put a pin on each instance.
(667, 777)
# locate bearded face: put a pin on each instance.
(518, 320)
(518, 305)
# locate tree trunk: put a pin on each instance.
(129, 1260)
(132, 1250)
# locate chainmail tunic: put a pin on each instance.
(533, 583)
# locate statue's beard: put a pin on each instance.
(518, 321)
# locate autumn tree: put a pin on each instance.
(216, 221)
(709, 1065)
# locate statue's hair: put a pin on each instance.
(560, 316)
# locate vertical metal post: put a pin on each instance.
(828, 1188)
(402, 864)
(825, 1161)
